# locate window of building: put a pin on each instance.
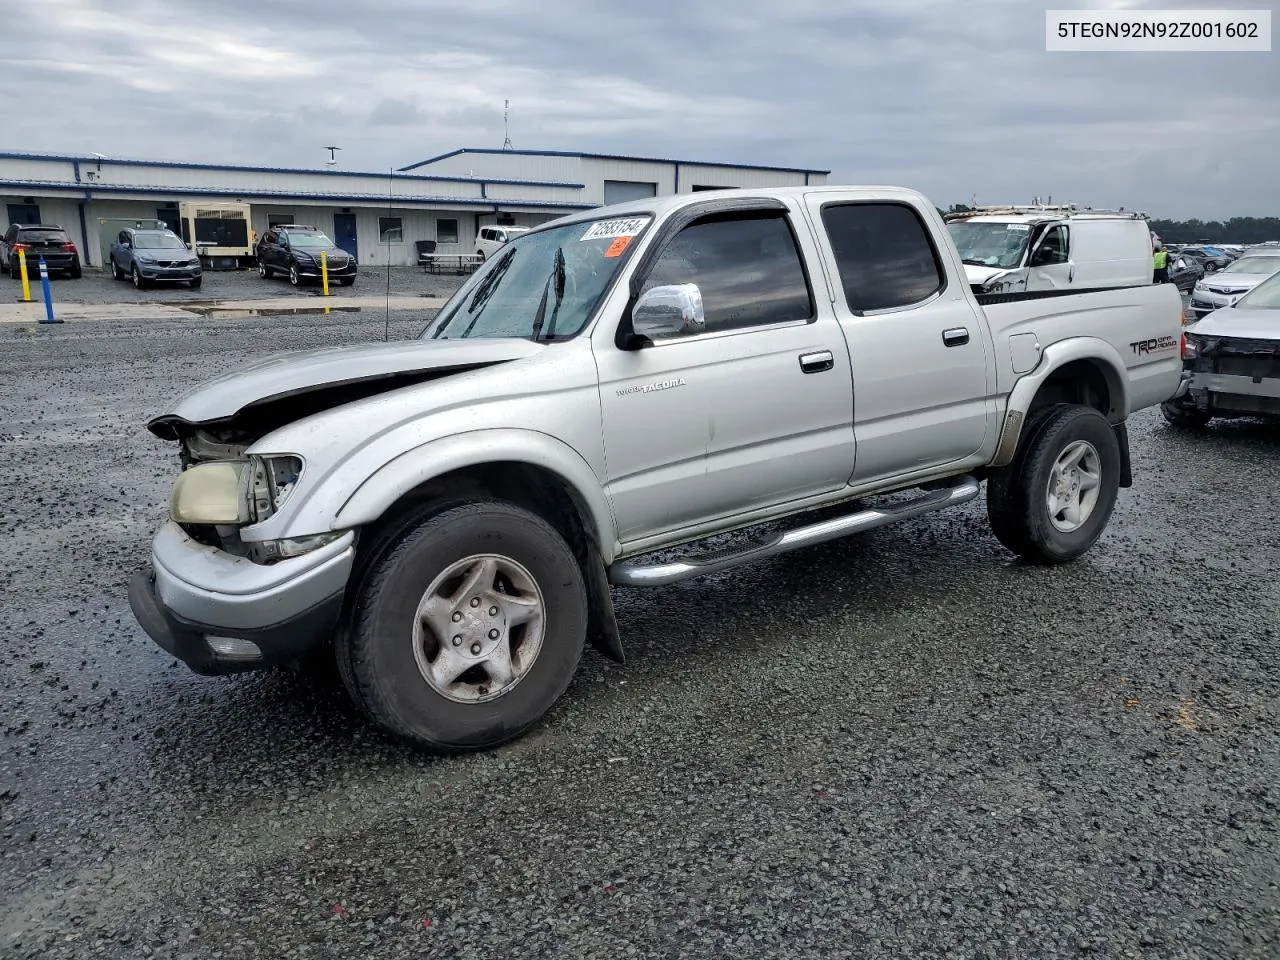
(620, 191)
(24, 213)
(884, 255)
(447, 231)
(280, 219)
(390, 230)
(747, 268)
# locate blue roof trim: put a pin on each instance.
(609, 156)
(181, 165)
(106, 191)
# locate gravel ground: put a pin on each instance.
(902, 745)
(97, 287)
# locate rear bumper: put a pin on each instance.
(196, 601)
(53, 264)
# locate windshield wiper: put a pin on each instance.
(556, 278)
(480, 299)
(973, 262)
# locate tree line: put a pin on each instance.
(1235, 230)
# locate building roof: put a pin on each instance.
(238, 168)
(607, 156)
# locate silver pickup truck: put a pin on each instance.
(447, 514)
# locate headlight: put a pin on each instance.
(234, 492)
(1190, 346)
(144, 258)
(212, 493)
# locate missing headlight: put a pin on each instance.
(274, 478)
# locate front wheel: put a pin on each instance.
(196, 282)
(346, 281)
(295, 278)
(1180, 415)
(467, 629)
(1053, 502)
(136, 274)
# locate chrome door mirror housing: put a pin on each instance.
(669, 311)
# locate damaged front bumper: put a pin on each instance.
(1232, 378)
(220, 613)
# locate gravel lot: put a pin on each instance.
(96, 286)
(902, 745)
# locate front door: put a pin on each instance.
(922, 356)
(344, 232)
(729, 420)
(1051, 267)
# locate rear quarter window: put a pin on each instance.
(884, 253)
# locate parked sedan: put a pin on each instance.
(1185, 272)
(295, 251)
(154, 256)
(1231, 362)
(41, 240)
(1231, 283)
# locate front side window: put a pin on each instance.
(747, 268)
(447, 231)
(543, 285)
(884, 255)
(1053, 249)
(986, 244)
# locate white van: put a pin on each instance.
(1028, 249)
(491, 238)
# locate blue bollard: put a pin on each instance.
(48, 294)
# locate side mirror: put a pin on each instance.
(670, 311)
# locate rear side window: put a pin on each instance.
(747, 268)
(884, 255)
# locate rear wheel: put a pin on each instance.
(76, 272)
(468, 628)
(1181, 415)
(1053, 502)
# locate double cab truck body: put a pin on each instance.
(446, 515)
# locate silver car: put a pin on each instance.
(1231, 362)
(1228, 285)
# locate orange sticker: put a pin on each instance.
(616, 248)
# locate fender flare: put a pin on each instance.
(377, 492)
(1053, 358)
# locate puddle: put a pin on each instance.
(235, 313)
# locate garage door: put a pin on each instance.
(620, 191)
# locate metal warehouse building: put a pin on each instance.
(376, 216)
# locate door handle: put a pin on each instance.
(817, 362)
(956, 336)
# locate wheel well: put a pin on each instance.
(1081, 381)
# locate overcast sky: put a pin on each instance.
(951, 98)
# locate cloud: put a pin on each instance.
(952, 99)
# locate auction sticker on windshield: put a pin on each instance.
(1017, 227)
(607, 229)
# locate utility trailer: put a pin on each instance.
(219, 233)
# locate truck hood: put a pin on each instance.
(283, 387)
(1246, 324)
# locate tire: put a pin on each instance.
(76, 272)
(387, 670)
(115, 271)
(295, 278)
(265, 272)
(1018, 497)
(346, 281)
(136, 276)
(1180, 415)
(480, 254)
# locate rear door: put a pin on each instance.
(922, 356)
(754, 410)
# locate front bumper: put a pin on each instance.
(1228, 395)
(313, 270)
(154, 272)
(195, 593)
(1203, 303)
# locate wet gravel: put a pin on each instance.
(96, 286)
(902, 745)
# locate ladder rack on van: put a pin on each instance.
(1057, 210)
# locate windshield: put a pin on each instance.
(157, 241)
(309, 240)
(42, 236)
(991, 244)
(540, 286)
(1263, 265)
(1265, 296)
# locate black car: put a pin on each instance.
(1210, 261)
(295, 250)
(47, 240)
(1184, 272)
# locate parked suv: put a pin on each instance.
(46, 240)
(295, 250)
(149, 256)
(490, 239)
